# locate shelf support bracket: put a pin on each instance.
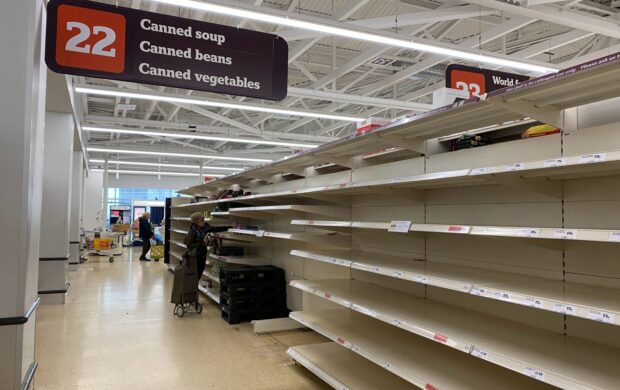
(537, 185)
(548, 115)
(414, 144)
(344, 161)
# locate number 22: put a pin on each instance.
(99, 48)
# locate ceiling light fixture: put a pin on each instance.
(355, 34)
(180, 155)
(197, 136)
(208, 103)
(146, 164)
(152, 173)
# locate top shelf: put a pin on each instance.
(586, 83)
(554, 169)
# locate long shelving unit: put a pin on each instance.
(563, 362)
(601, 235)
(493, 267)
(416, 360)
(343, 369)
(597, 303)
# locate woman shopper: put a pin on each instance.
(196, 239)
(145, 233)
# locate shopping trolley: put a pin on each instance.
(185, 285)
(94, 244)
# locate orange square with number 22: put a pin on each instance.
(90, 39)
(469, 81)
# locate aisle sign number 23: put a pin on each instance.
(90, 39)
(475, 83)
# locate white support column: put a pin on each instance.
(23, 80)
(77, 191)
(54, 251)
(104, 208)
(201, 175)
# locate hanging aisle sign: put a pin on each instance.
(99, 40)
(479, 81)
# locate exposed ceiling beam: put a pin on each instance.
(356, 99)
(558, 15)
(221, 130)
(410, 19)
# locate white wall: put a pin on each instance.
(93, 189)
(147, 181)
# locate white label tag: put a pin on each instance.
(592, 158)
(503, 296)
(386, 365)
(397, 274)
(555, 162)
(260, 233)
(399, 226)
(480, 353)
(421, 279)
(477, 171)
(466, 288)
(565, 234)
(564, 308)
(531, 233)
(355, 348)
(364, 310)
(535, 373)
(397, 322)
(601, 316)
(614, 236)
(396, 180)
(514, 167)
(534, 302)
(376, 269)
(480, 291)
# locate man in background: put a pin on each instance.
(145, 233)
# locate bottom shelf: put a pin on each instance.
(211, 293)
(343, 369)
(418, 361)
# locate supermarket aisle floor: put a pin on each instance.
(117, 332)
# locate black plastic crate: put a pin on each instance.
(263, 274)
(246, 316)
(252, 303)
(229, 250)
(239, 290)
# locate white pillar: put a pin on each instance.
(55, 214)
(77, 192)
(93, 192)
(104, 199)
(22, 109)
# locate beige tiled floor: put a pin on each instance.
(117, 332)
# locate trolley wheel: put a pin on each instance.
(111, 259)
(198, 308)
(179, 311)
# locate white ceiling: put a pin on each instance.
(333, 75)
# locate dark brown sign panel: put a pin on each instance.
(479, 81)
(99, 40)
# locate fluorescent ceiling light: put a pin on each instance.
(204, 102)
(355, 34)
(146, 164)
(180, 155)
(151, 173)
(197, 136)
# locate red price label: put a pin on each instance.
(90, 39)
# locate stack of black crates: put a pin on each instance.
(252, 293)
